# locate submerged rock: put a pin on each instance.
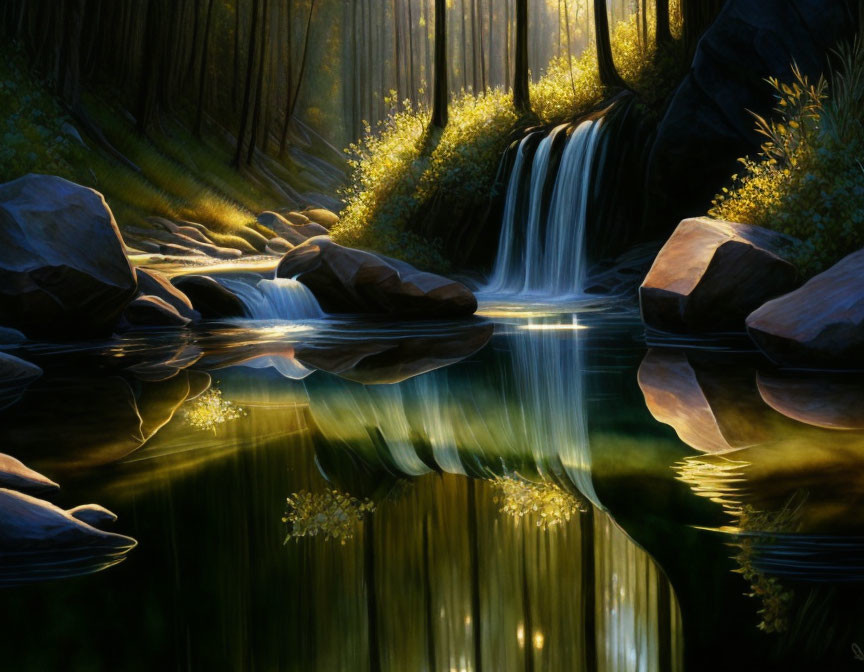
(63, 269)
(711, 274)
(345, 280)
(40, 541)
(818, 399)
(820, 325)
(15, 376)
(15, 475)
(712, 409)
(94, 515)
(394, 357)
(150, 311)
(208, 297)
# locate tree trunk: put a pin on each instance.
(521, 98)
(609, 76)
(202, 75)
(247, 89)
(259, 86)
(698, 16)
(464, 48)
(662, 20)
(440, 97)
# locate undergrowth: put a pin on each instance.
(399, 166)
(808, 180)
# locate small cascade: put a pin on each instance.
(541, 249)
(277, 299)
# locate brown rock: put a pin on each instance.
(278, 247)
(154, 283)
(151, 311)
(345, 280)
(820, 325)
(14, 475)
(711, 274)
(818, 399)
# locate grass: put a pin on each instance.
(398, 167)
(808, 180)
(181, 177)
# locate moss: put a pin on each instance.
(808, 180)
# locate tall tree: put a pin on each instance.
(440, 97)
(260, 84)
(662, 20)
(521, 97)
(609, 76)
(247, 88)
(202, 75)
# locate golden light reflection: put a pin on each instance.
(210, 410)
(539, 640)
(552, 327)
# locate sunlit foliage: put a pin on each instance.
(399, 166)
(210, 410)
(544, 504)
(808, 181)
(331, 513)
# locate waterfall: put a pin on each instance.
(277, 299)
(541, 250)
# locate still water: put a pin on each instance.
(536, 490)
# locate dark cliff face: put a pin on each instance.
(707, 126)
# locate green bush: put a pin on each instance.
(808, 181)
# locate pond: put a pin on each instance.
(535, 489)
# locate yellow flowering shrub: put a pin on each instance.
(331, 513)
(545, 504)
(808, 180)
(397, 167)
(210, 410)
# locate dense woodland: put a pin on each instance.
(250, 66)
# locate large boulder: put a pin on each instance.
(345, 280)
(821, 324)
(208, 297)
(707, 125)
(711, 274)
(154, 283)
(15, 475)
(63, 269)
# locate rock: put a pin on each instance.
(393, 357)
(712, 409)
(297, 218)
(40, 541)
(14, 475)
(63, 271)
(278, 247)
(707, 125)
(175, 250)
(821, 400)
(322, 216)
(711, 274)
(154, 283)
(345, 280)
(821, 324)
(291, 231)
(150, 311)
(11, 336)
(94, 515)
(255, 239)
(208, 297)
(15, 376)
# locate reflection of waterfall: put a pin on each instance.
(278, 299)
(541, 249)
(532, 412)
